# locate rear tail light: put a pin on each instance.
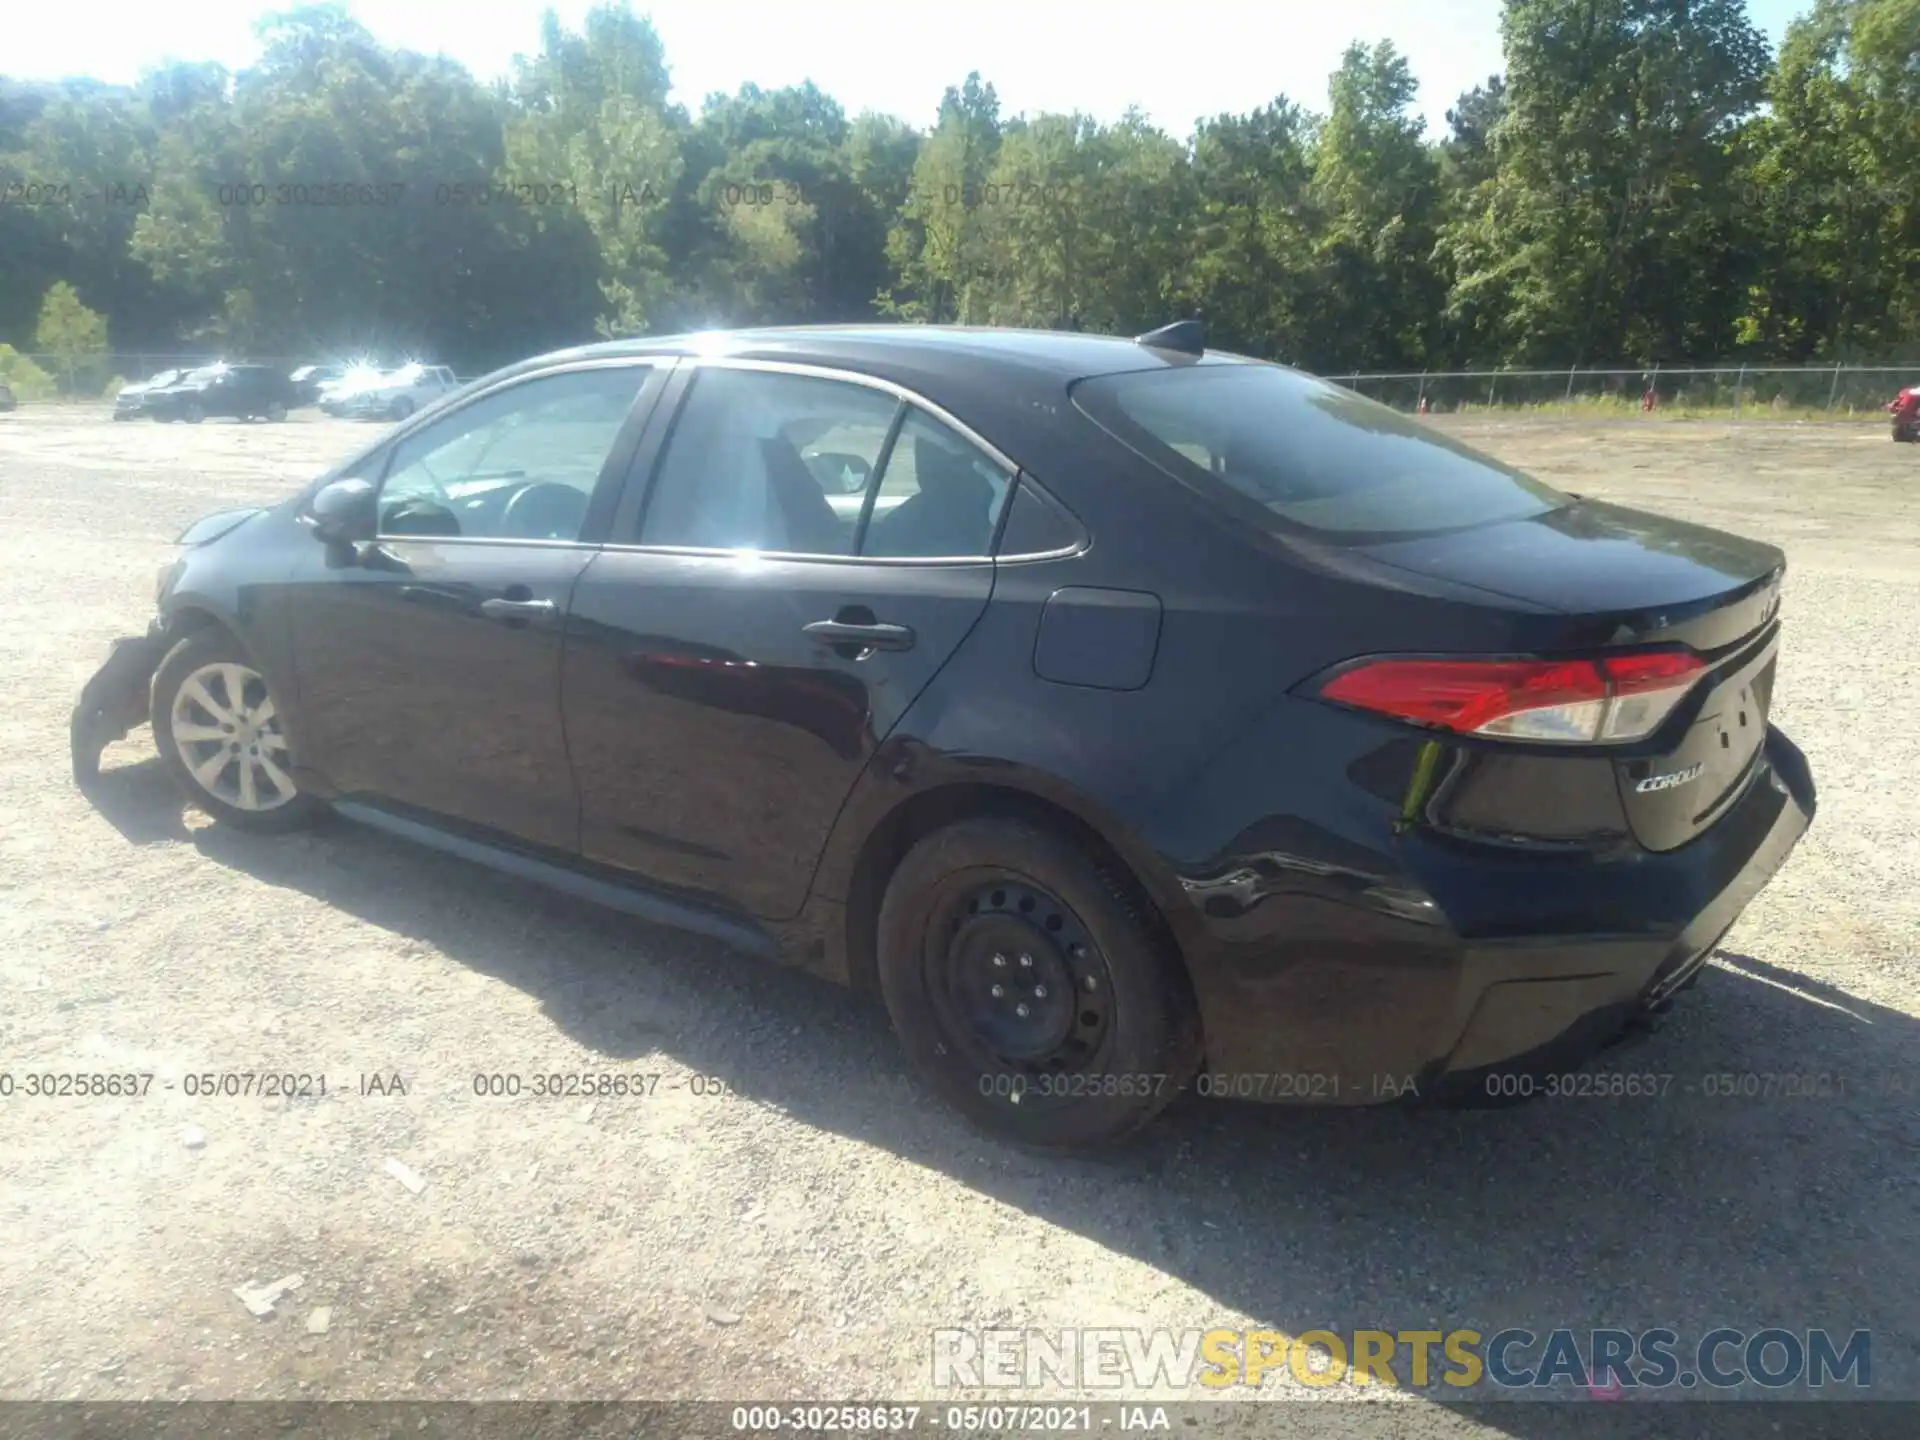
(1609, 698)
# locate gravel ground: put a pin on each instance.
(784, 1216)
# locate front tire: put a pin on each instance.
(194, 414)
(1031, 988)
(219, 731)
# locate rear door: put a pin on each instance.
(798, 554)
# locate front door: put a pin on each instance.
(808, 554)
(428, 663)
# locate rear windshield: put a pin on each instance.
(1310, 456)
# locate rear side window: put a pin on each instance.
(1309, 456)
(939, 497)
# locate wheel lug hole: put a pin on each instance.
(1026, 962)
(1092, 984)
(1021, 1011)
(1000, 960)
(999, 992)
(1039, 992)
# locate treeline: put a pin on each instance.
(1645, 183)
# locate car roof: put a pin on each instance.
(935, 350)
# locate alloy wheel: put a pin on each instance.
(230, 738)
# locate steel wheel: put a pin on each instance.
(1017, 981)
(229, 737)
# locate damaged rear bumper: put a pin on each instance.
(115, 700)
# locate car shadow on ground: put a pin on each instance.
(141, 801)
(1730, 1196)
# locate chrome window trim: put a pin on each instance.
(432, 416)
(900, 393)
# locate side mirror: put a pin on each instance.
(344, 512)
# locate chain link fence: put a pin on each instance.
(1737, 392)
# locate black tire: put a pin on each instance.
(193, 414)
(958, 900)
(276, 412)
(212, 647)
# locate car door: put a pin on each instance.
(428, 660)
(733, 658)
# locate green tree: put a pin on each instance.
(1376, 184)
(1605, 231)
(73, 336)
(1830, 187)
(938, 247)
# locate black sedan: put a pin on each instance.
(242, 392)
(1133, 718)
(131, 400)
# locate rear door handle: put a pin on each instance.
(866, 637)
(522, 611)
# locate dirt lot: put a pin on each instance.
(796, 1221)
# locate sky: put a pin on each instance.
(1177, 62)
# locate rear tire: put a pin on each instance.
(220, 733)
(276, 412)
(1030, 987)
(193, 414)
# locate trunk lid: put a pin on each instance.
(1622, 578)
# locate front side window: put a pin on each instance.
(1309, 456)
(762, 460)
(518, 464)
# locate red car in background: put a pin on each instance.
(1905, 409)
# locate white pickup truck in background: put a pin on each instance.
(387, 394)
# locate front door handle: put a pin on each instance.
(864, 637)
(519, 611)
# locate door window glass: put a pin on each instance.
(940, 496)
(761, 460)
(519, 464)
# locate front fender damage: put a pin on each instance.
(115, 700)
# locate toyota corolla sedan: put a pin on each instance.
(1133, 718)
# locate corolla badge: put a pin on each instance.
(1670, 781)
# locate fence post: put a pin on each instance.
(1492, 380)
(1421, 398)
(1567, 399)
(1740, 381)
(1833, 389)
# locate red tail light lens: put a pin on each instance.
(1607, 698)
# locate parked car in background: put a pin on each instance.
(131, 402)
(7, 402)
(1905, 409)
(1154, 719)
(244, 392)
(309, 380)
(390, 394)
